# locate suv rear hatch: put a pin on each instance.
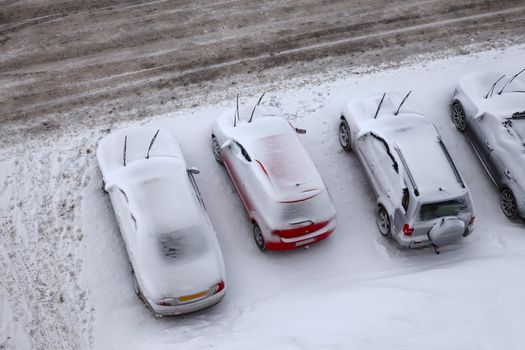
(444, 222)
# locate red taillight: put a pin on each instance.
(472, 220)
(407, 230)
(219, 287)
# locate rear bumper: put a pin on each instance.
(279, 243)
(167, 311)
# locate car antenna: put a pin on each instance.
(398, 108)
(253, 111)
(510, 81)
(379, 106)
(152, 142)
(125, 145)
(235, 116)
(493, 86)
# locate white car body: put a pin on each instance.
(171, 244)
(275, 177)
(406, 161)
(499, 141)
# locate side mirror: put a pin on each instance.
(300, 131)
(226, 144)
(194, 170)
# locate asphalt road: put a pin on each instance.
(68, 62)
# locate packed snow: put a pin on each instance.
(353, 290)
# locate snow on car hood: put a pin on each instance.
(110, 152)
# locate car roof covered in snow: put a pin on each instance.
(273, 144)
(476, 86)
(421, 148)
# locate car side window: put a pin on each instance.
(405, 201)
(244, 152)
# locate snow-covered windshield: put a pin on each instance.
(437, 210)
(182, 244)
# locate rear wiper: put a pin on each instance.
(491, 91)
(510, 81)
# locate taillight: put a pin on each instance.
(219, 287)
(472, 220)
(407, 230)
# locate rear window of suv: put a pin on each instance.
(437, 210)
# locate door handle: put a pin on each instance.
(489, 146)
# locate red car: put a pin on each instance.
(276, 179)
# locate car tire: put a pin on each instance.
(258, 237)
(216, 149)
(458, 116)
(135, 284)
(383, 222)
(508, 204)
(344, 135)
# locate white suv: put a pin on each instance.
(422, 199)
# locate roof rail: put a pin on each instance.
(410, 177)
(456, 172)
(518, 115)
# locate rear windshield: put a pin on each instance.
(182, 244)
(437, 210)
(313, 209)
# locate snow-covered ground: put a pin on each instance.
(65, 278)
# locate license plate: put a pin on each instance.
(306, 241)
(193, 296)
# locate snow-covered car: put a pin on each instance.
(421, 197)
(277, 181)
(177, 264)
(490, 109)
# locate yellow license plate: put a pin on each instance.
(193, 296)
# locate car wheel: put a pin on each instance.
(458, 116)
(259, 238)
(344, 135)
(383, 222)
(135, 283)
(216, 150)
(508, 204)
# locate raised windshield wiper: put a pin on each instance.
(491, 91)
(510, 80)
(379, 106)
(402, 102)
